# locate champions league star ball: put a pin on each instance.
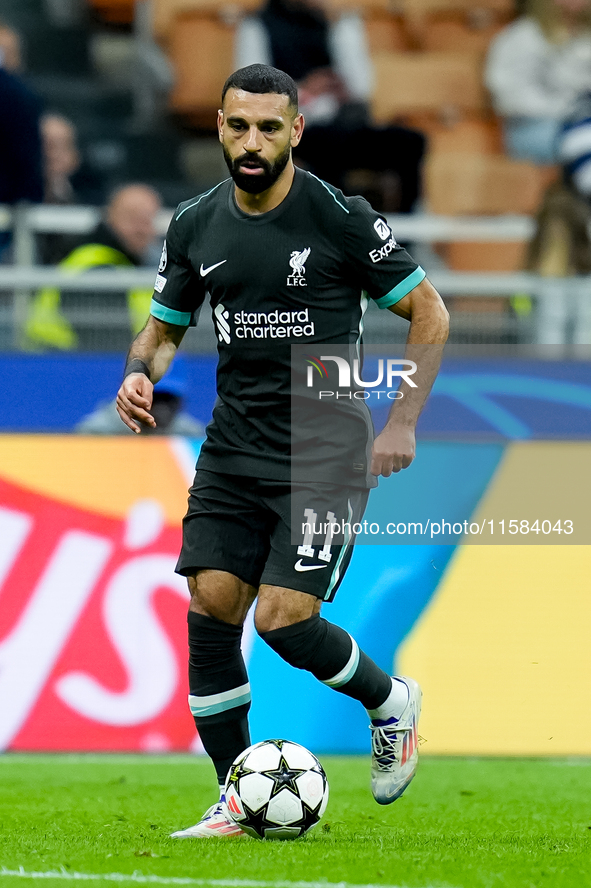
(276, 790)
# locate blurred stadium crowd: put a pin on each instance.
(468, 119)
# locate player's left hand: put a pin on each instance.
(393, 449)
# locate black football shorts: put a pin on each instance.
(243, 525)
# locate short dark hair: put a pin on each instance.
(263, 79)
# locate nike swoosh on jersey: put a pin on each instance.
(203, 271)
(302, 567)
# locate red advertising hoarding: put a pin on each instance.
(92, 615)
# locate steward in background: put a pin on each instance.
(89, 321)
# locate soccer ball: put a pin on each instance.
(276, 790)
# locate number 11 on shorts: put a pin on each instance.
(309, 527)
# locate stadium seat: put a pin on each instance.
(459, 32)
(455, 24)
(428, 7)
(386, 32)
(486, 256)
(407, 83)
(118, 12)
(467, 135)
(164, 12)
(363, 6)
(201, 51)
(483, 184)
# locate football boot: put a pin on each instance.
(215, 822)
(395, 748)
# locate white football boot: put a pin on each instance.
(214, 823)
(395, 748)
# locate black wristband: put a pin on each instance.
(136, 366)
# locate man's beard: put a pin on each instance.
(256, 184)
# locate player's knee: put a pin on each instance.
(269, 616)
(219, 595)
(266, 618)
(281, 609)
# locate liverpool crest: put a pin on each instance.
(298, 261)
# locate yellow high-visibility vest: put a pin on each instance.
(46, 325)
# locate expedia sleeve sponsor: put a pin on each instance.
(382, 252)
(382, 267)
(179, 292)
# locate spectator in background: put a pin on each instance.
(167, 410)
(122, 239)
(21, 177)
(61, 158)
(67, 181)
(574, 148)
(330, 62)
(537, 67)
(561, 247)
(68, 178)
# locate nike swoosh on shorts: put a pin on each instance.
(302, 567)
(203, 271)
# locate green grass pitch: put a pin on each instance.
(464, 823)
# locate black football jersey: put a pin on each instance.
(298, 275)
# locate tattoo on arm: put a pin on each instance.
(154, 347)
(429, 326)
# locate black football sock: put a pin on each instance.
(333, 657)
(219, 692)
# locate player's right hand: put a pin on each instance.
(134, 401)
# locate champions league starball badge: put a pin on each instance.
(163, 259)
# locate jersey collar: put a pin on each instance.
(263, 218)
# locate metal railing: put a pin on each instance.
(26, 221)
(543, 312)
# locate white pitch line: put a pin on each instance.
(138, 878)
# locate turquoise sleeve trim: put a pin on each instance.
(169, 315)
(401, 289)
